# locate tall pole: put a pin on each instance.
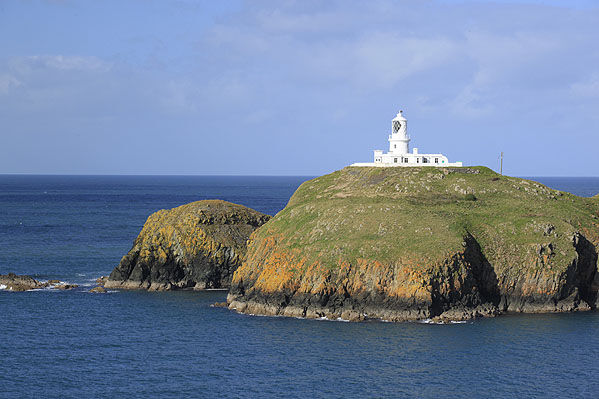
(501, 164)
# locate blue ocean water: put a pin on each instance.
(74, 344)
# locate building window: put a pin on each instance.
(417, 160)
(394, 145)
(395, 160)
(436, 160)
(424, 160)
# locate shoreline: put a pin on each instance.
(453, 315)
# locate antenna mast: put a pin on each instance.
(501, 164)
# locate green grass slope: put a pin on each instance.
(419, 218)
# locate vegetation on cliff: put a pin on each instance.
(198, 245)
(410, 243)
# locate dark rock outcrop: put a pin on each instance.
(64, 286)
(13, 282)
(194, 246)
(17, 283)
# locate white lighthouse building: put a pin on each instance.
(399, 150)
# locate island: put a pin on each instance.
(193, 246)
(399, 244)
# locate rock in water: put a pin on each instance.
(13, 282)
(198, 245)
(101, 280)
(406, 244)
(63, 286)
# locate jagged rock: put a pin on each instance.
(13, 282)
(64, 286)
(194, 246)
(101, 280)
(404, 244)
(98, 290)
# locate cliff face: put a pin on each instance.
(414, 243)
(198, 245)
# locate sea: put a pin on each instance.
(135, 344)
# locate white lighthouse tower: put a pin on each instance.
(399, 141)
(399, 150)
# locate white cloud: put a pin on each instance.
(75, 63)
(367, 57)
(470, 103)
(59, 62)
(588, 87)
(7, 82)
(56, 83)
(503, 57)
(376, 60)
(388, 58)
(379, 45)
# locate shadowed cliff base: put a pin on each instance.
(407, 244)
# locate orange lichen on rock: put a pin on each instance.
(403, 244)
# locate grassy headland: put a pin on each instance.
(394, 231)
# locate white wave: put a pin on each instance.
(324, 318)
(430, 321)
(53, 284)
(2, 286)
(261, 315)
(107, 292)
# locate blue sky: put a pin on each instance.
(295, 87)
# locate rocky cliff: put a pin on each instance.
(416, 243)
(198, 245)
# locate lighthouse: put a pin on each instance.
(399, 141)
(399, 150)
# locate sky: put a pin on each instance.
(295, 87)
